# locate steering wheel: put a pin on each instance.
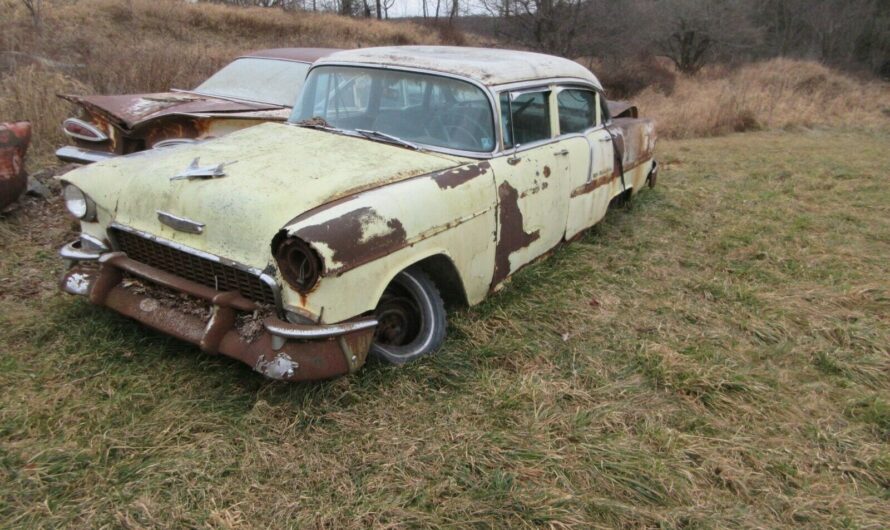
(454, 133)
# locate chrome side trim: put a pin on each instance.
(180, 223)
(263, 276)
(69, 153)
(315, 331)
(174, 141)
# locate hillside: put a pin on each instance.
(105, 46)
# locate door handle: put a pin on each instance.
(563, 152)
(606, 140)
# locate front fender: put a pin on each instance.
(366, 239)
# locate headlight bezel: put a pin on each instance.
(299, 264)
(78, 203)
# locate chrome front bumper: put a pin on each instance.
(69, 153)
(282, 350)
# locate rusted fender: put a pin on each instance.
(622, 109)
(14, 140)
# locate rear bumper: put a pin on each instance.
(69, 153)
(281, 350)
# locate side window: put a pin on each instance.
(525, 116)
(577, 110)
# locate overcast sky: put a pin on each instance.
(414, 8)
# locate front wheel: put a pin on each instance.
(411, 319)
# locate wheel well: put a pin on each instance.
(444, 274)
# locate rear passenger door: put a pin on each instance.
(590, 156)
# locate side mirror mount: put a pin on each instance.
(514, 157)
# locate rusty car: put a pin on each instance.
(256, 87)
(407, 177)
(14, 140)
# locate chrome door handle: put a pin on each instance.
(562, 153)
(605, 140)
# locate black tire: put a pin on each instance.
(412, 319)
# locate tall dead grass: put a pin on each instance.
(107, 46)
(779, 93)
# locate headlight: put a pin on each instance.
(79, 204)
(298, 263)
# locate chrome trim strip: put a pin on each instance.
(94, 241)
(263, 276)
(69, 153)
(99, 135)
(180, 223)
(315, 331)
(174, 141)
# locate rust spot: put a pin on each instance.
(453, 178)
(594, 184)
(347, 239)
(512, 235)
(546, 171)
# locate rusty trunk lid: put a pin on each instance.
(273, 173)
(129, 111)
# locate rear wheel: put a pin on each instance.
(411, 318)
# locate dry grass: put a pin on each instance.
(112, 47)
(780, 93)
(714, 355)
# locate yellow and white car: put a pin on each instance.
(405, 176)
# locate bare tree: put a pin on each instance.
(35, 8)
(550, 26)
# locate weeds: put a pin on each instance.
(700, 359)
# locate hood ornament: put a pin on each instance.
(196, 171)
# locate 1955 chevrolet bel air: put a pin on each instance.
(406, 176)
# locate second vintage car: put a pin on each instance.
(406, 177)
(257, 87)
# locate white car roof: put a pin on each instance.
(487, 66)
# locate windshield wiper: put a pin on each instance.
(377, 135)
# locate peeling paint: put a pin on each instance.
(512, 233)
(453, 178)
(280, 367)
(355, 238)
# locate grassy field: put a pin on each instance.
(714, 354)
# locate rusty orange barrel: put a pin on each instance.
(14, 140)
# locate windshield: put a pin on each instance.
(423, 109)
(264, 80)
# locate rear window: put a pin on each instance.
(265, 80)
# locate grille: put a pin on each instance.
(194, 268)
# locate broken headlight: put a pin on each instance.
(79, 204)
(298, 263)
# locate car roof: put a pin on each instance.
(306, 55)
(487, 66)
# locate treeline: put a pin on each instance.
(851, 34)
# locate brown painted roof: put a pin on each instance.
(306, 55)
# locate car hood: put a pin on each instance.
(132, 110)
(273, 173)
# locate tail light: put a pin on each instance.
(83, 131)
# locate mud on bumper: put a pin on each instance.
(282, 350)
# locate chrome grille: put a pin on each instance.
(195, 268)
